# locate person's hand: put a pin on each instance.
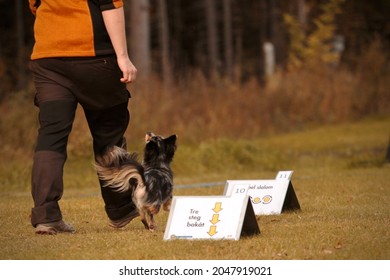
(129, 72)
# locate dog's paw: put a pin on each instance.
(152, 228)
(145, 223)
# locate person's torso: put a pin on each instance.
(70, 28)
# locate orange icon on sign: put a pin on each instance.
(267, 199)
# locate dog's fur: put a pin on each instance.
(151, 182)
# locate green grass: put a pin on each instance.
(340, 176)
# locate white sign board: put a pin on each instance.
(210, 217)
(268, 197)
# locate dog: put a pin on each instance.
(151, 182)
(158, 156)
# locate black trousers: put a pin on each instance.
(61, 84)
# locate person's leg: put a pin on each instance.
(107, 128)
(104, 100)
(56, 114)
(55, 119)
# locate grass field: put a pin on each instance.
(341, 178)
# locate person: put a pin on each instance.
(79, 57)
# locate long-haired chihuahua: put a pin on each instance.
(151, 182)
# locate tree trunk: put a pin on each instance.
(139, 39)
(20, 61)
(212, 38)
(176, 38)
(302, 16)
(388, 152)
(164, 42)
(228, 42)
(267, 38)
(263, 21)
(238, 57)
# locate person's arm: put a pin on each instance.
(114, 21)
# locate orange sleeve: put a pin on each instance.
(110, 4)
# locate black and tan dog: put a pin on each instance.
(151, 182)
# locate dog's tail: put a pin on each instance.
(119, 170)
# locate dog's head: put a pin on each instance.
(159, 149)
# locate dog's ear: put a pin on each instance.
(170, 146)
(171, 140)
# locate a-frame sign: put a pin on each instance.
(210, 217)
(268, 197)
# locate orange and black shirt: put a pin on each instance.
(71, 28)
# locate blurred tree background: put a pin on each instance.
(219, 38)
(226, 68)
